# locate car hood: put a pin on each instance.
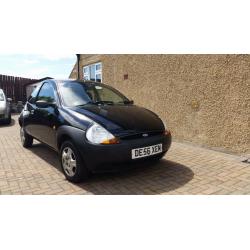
(127, 117)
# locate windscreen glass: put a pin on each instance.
(77, 94)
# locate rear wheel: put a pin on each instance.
(26, 139)
(72, 163)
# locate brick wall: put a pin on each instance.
(204, 99)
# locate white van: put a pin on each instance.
(5, 112)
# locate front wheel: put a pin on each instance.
(26, 139)
(158, 157)
(72, 163)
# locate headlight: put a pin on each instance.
(167, 131)
(99, 135)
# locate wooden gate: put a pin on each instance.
(15, 87)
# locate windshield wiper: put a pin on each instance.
(127, 102)
(96, 103)
(81, 105)
(103, 102)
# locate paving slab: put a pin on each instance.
(186, 169)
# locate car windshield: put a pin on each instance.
(79, 94)
(1, 97)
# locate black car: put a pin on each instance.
(93, 126)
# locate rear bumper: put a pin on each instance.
(3, 114)
(106, 158)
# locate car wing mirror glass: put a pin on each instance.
(42, 104)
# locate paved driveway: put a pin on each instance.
(185, 170)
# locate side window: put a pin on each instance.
(47, 93)
(33, 95)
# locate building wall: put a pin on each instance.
(204, 99)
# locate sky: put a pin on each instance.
(37, 66)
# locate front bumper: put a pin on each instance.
(106, 158)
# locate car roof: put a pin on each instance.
(68, 80)
(80, 81)
(59, 81)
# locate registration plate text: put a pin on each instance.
(146, 151)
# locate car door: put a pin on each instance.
(46, 117)
(29, 119)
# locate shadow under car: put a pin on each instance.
(147, 177)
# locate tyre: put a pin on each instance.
(72, 163)
(8, 120)
(26, 139)
(158, 157)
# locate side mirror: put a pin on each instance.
(9, 99)
(129, 102)
(45, 104)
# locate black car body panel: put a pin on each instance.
(130, 123)
(127, 117)
(111, 156)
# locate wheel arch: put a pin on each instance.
(62, 139)
(73, 134)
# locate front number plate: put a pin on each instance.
(147, 151)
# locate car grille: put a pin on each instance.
(141, 135)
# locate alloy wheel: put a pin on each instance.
(69, 161)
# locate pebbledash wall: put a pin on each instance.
(204, 99)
